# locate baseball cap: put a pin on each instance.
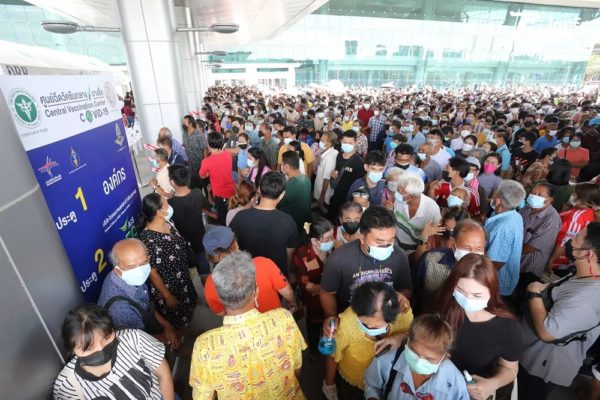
(474, 161)
(217, 238)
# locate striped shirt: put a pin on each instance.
(132, 377)
(540, 230)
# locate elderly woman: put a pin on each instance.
(413, 210)
(459, 197)
(391, 186)
(108, 363)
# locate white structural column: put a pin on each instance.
(148, 29)
(189, 60)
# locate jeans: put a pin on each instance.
(202, 265)
(221, 207)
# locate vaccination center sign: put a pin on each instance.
(72, 131)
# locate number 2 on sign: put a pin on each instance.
(99, 258)
(79, 196)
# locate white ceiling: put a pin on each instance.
(258, 19)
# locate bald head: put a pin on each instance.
(164, 132)
(470, 235)
(128, 254)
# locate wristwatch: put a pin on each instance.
(532, 295)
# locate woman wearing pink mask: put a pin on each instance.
(490, 179)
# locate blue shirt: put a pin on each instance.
(450, 151)
(124, 315)
(505, 155)
(543, 143)
(376, 124)
(242, 159)
(447, 383)
(376, 192)
(504, 245)
(253, 138)
(178, 148)
(416, 140)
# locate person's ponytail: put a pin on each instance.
(151, 203)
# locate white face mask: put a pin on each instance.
(460, 253)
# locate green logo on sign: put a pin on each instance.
(24, 108)
(89, 116)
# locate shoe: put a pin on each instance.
(330, 391)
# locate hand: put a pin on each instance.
(395, 341)
(326, 330)
(481, 389)
(171, 337)
(171, 301)
(292, 307)
(244, 172)
(431, 229)
(334, 174)
(403, 302)
(536, 287)
(389, 204)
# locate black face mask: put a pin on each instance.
(447, 234)
(243, 146)
(350, 227)
(446, 176)
(404, 167)
(569, 251)
(184, 127)
(101, 357)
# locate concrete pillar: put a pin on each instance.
(500, 74)
(323, 72)
(148, 30)
(189, 59)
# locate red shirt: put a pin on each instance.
(365, 115)
(444, 191)
(269, 280)
(310, 269)
(573, 221)
(218, 167)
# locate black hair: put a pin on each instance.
(547, 152)
(588, 193)
(460, 165)
(529, 136)
(82, 323)
(179, 174)
(291, 159)
(473, 138)
(215, 140)
(592, 239)
(319, 227)
(456, 213)
(404, 148)
(190, 120)
(438, 133)
(503, 135)
(549, 187)
(291, 129)
(272, 185)
(497, 156)
(244, 135)
(297, 148)
(372, 297)
(559, 172)
(376, 217)
(350, 134)
(278, 121)
(375, 157)
(151, 203)
(263, 162)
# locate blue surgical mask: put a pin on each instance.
(534, 201)
(322, 145)
(287, 140)
(154, 163)
(425, 131)
(420, 365)
(372, 332)
(575, 144)
(347, 148)
(277, 140)
(250, 163)
(422, 156)
(375, 176)
(136, 276)
(169, 213)
(381, 253)
(566, 139)
(326, 247)
(454, 201)
(399, 198)
(470, 305)
(393, 145)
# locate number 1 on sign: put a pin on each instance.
(79, 196)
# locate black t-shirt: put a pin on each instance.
(353, 169)
(349, 267)
(479, 344)
(266, 233)
(522, 161)
(187, 217)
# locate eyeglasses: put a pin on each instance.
(362, 195)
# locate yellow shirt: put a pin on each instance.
(308, 154)
(252, 356)
(346, 126)
(354, 350)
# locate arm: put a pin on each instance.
(505, 373)
(309, 169)
(557, 252)
(539, 313)
(288, 294)
(528, 249)
(290, 258)
(163, 373)
(157, 281)
(323, 191)
(169, 336)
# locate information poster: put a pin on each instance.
(72, 131)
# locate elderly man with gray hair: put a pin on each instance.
(505, 234)
(177, 147)
(252, 355)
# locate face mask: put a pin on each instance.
(381, 253)
(326, 247)
(514, 110)
(169, 213)
(375, 176)
(376, 112)
(446, 176)
(367, 106)
(552, 133)
(434, 122)
(322, 145)
(406, 129)
(100, 357)
(425, 131)
(371, 332)
(405, 111)
(399, 197)
(469, 177)
(355, 128)
(487, 131)
(489, 168)
(154, 163)
(432, 141)
(569, 252)
(566, 140)
(467, 147)
(422, 156)
(184, 127)
(250, 163)
(454, 201)
(287, 140)
(392, 186)
(243, 146)
(347, 148)
(575, 144)
(470, 305)
(136, 276)
(420, 365)
(350, 227)
(464, 133)
(534, 201)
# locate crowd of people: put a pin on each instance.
(446, 242)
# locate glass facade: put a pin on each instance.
(443, 43)
(20, 23)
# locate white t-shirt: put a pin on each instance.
(162, 178)
(326, 166)
(409, 229)
(441, 158)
